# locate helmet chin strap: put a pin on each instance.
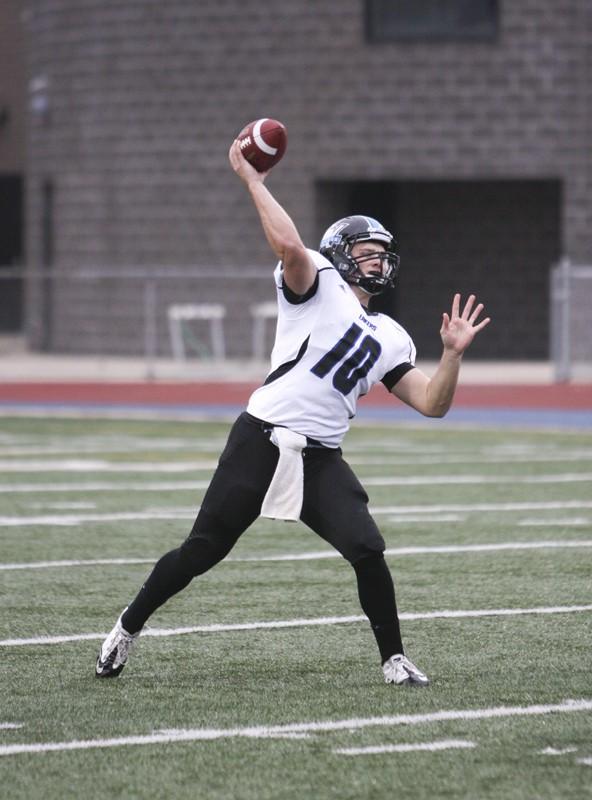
(371, 285)
(375, 283)
(350, 271)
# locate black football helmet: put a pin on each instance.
(337, 243)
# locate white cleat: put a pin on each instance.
(114, 652)
(400, 671)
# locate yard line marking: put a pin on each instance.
(182, 486)
(83, 562)
(555, 522)
(425, 550)
(397, 512)
(388, 480)
(427, 480)
(10, 726)
(21, 459)
(567, 706)
(156, 513)
(544, 505)
(587, 762)
(174, 732)
(103, 486)
(552, 751)
(65, 506)
(428, 518)
(78, 519)
(394, 458)
(107, 444)
(315, 556)
(443, 744)
(301, 623)
(95, 465)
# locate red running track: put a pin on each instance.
(547, 396)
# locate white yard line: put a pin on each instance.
(155, 468)
(398, 513)
(173, 732)
(151, 514)
(427, 550)
(25, 445)
(301, 623)
(553, 751)
(429, 517)
(103, 486)
(65, 506)
(443, 744)
(427, 480)
(191, 485)
(34, 459)
(83, 562)
(95, 465)
(555, 523)
(408, 459)
(108, 445)
(319, 555)
(79, 519)
(567, 706)
(10, 726)
(147, 514)
(543, 505)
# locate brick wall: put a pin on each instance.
(144, 98)
(12, 89)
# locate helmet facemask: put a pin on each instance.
(338, 242)
(350, 269)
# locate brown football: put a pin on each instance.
(263, 143)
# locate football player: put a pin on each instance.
(283, 458)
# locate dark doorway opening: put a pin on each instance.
(11, 253)
(495, 238)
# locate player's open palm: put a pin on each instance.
(458, 330)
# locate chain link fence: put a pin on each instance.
(223, 313)
(206, 314)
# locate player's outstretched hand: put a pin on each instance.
(241, 166)
(459, 329)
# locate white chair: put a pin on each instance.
(213, 313)
(261, 312)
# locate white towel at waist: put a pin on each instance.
(284, 495)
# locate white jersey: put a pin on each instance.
(328, 352)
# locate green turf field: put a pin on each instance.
(274, 690)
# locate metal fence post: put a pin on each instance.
(150, 334)
(561, 297)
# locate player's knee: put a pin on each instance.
(208, 543)
(372, 563)
(364, 542)
(199, 555)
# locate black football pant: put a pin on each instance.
(335, 506)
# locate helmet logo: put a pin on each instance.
(332, 234)
(338, 241)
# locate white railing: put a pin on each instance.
(165, 312)
(571, 320)
(128, 312)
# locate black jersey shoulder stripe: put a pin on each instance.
(394, 375)
(296, 299)
(287, 366)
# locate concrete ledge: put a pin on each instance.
(17, 364)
